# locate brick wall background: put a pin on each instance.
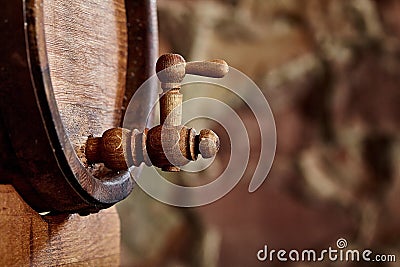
(331, 73)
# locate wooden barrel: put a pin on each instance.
(68, 70)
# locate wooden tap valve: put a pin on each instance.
(169, 145)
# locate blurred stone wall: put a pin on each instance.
(331, 73)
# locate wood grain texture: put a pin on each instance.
(86, 45)
(168, 145)
(62, 78)
(27, 239)
(165, 146)
(171, 108)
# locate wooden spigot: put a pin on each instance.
(169, 145)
